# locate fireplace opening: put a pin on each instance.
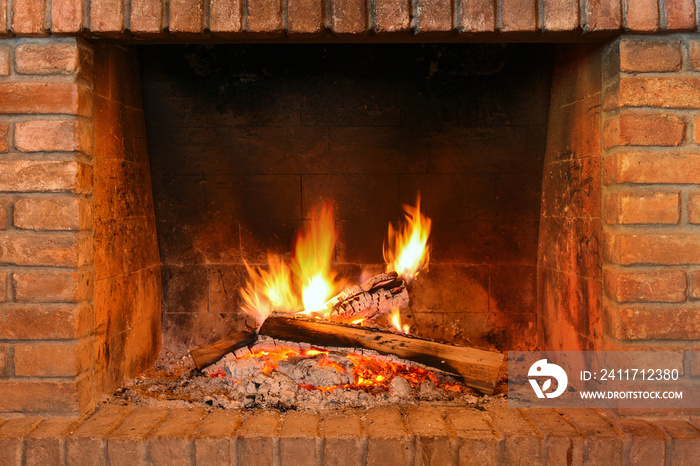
(245, 141)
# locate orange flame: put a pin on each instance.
(313, 253)
(406, 251)
(395, 319)
(269, 290)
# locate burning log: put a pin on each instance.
(209, 354)
(479, 369)
(377, 296)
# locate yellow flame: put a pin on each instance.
(269, 290)
(313, 253)
(406, 252)
(395, 320)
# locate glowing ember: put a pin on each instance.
(406, 251)
(313, 253)
(269, 290)
(395, 319)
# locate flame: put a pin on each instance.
(269, 290)
(395, 320)
(406, 251)
(313, 253)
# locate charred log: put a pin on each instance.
(377, 296)
(478, 368)
(209, 354)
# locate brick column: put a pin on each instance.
(651, 175)
(46, 252)
(79, 263)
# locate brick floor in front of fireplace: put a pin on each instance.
(117, 435)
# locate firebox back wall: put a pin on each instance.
(245, 141)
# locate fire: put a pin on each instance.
(395, 319)
(313, 253)
(269, 290)
(406, 251)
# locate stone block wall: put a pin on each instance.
(79, 291)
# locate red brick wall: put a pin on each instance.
(79, 266)
(569, 264)
(127, 264)
(651, 171)
(184, 18)
(46, 221)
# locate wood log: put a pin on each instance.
(377, 296)
(208, 354)
(478, 369)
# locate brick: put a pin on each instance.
(680, 15)
(12, 434)
(663, 286)
(650, 167)
(694, 54)
(387, 438)
(644, 55)
(4, 127)
(521, 444)
(171, 443)
(631, 129)
(478, 16)
(641, 15)
(46, 249)
(344, 439)
(47, 58)
(696, 129)
(186, 16)
(265, 16)
(602, 15)
(53, 135)
(127, 444)
(432, 441)
(40, 397)
(694, 208)
(146, 16)
(642, 207)
(641, 91)
(44, 322)
(212, 442)
(563, 443)
(349, 17)
(642, 443)
(684, 441)
(3, 16)
(560, 15)
(299, 438)
(45, 445)
(649, 322)
(4, 220)
(694, 284)
(52, 359)
(87, 445)
(5, 60)
(44, 176)
(256, 439)
(603, 444)
(694, 357)
(653, 248)
(106, 16)
(59, 213)
(44, 97)
(67, 16)
(225, 16)
(518, 15)
(392, 16)
(433, 15)
(28, 17)
(5, 359)
(479, 443)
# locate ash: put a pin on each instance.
(282, 375)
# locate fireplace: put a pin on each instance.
(586, 239)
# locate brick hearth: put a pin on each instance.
(419, 436)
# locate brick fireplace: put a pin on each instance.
(611, 259)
